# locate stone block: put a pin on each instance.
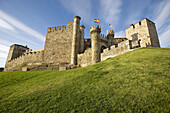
(62, 68)
(55, 68)
(49, 68)
(25, 69)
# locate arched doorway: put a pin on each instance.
(102, 48)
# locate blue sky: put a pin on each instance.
(25, 22)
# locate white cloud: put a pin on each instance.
(136, 10)
(165, 37)
(18, 39)
(3, 55)
(162, 20)
(8, 38)
(4, 48)
(5, 42)
(163, 13)
(80, 8)
(2, 60)
(4, 24)
(21, 26)
(120, 34)
(110, 10)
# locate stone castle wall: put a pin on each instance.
(15, 51)
(85, 59)
(114, 51)
(153, 34)
(103, 41)
(58, 44)
(24, 59)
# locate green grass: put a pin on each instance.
(137, 81)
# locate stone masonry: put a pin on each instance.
(66, 48)
(94, 33)
(145, 31)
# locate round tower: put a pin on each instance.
(82, 39)
(110, 36)
(75, 39)
(94, 33)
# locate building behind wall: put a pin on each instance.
(66, 48)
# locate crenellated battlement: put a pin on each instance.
(95, 28)
(58, 28)
(114, 51)
(103, 36)
(133, 26)
(110, 32)
(48, 29)
(28, 53)
(139, 24)
(27, 57)
(53, 29)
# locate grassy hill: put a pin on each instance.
(137, 81)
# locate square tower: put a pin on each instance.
(144, 30)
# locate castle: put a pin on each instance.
(66, 48)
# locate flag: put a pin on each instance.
(110, 25)
(96, 20)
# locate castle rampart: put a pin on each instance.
(24, 59)
(114, 51)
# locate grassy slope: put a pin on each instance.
(136, 81)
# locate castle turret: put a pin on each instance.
(94, 33)
(110, 36)
(82, 39)
(75, 39)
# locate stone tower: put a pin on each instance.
(110, 36)
(94, 33)
(82, 39)
(145, 31)
(75, 40)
